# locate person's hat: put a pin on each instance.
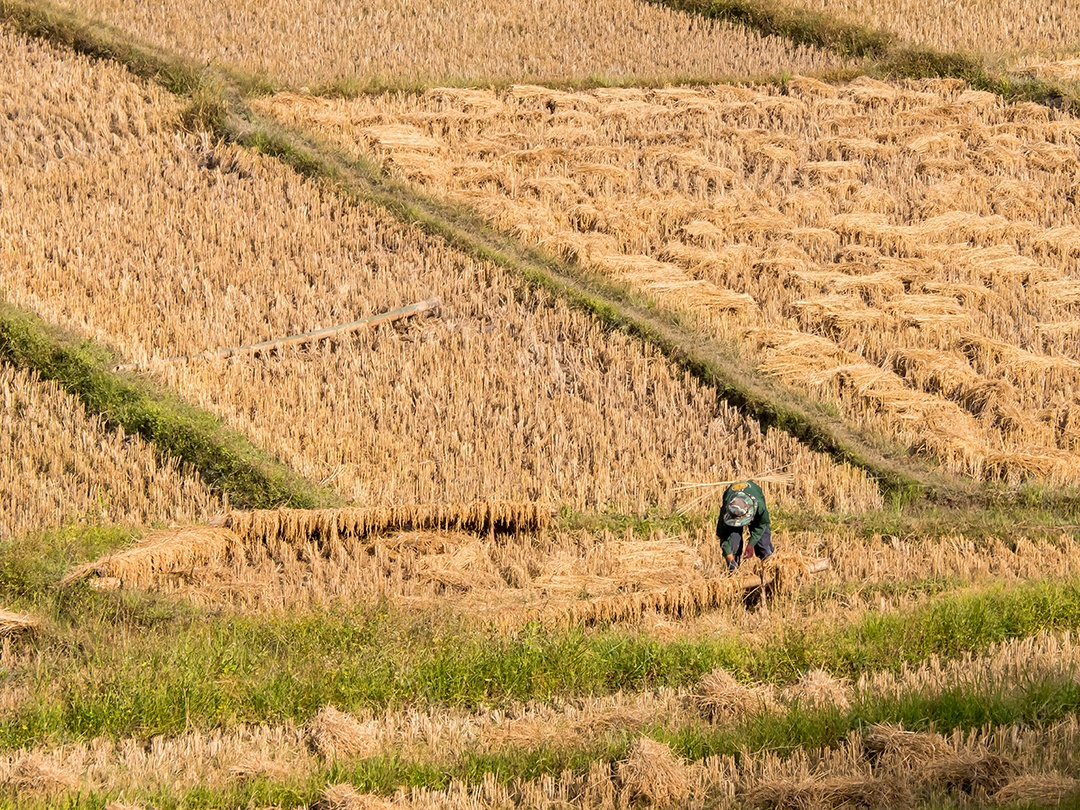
(740, 510)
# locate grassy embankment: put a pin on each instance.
(227, 460)
(884, 53)
(88, 675)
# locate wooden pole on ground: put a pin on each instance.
(294, 340)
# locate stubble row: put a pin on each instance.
(406, 42)
(443, 736)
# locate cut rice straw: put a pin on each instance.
(711, 487)
(12, 623)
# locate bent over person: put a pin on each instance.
(744, 521)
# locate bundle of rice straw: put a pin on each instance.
(1041, 790)
(971, 772)
(334, 734)
(837, 791)
(892, 746)
(255, 766)
(785, 570)
(344, 796)
(817, 689)
(652, 773)
(34, 773)
(14, 623)
(159, 552)
(720, 697)
(329, 526)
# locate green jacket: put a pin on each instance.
(756, 526)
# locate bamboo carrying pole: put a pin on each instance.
(294, 340)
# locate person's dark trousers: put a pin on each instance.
(763, 549)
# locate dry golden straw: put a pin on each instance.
(13, 624)
(344, 796)
(651, 772)
(58, 465)
(330, 526)
(818, 689)
(509, 396)
(1038, 790)
(904, 277)
(333, 734)
(405, 41)
(159, 552)
(720, 697)
(828, 792)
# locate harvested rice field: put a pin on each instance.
(885, 761)
(344, 46)
(210, 248)
(905, 252)
(471, 561)
(61, 466)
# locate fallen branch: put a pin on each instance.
(293, 340)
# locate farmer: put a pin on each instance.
(744, 512)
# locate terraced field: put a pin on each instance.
(337, 46)
(505, 379)
(912, 261)
(468, 559)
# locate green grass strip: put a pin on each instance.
(1035, 703)
(226, 460)
(137, 664)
